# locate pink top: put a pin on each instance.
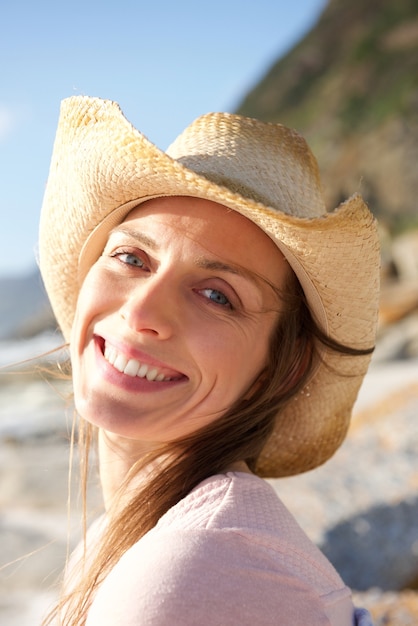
(229, 553)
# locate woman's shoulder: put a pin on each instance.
(233, 500)
(242, 503)
(240, 517)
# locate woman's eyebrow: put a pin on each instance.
(136, 234)
(220, 266)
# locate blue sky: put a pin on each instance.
(165, 62)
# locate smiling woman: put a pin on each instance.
(215, 339)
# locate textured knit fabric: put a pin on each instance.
(228, 554)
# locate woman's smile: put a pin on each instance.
(134, 364)
(132, 367)
(167, 334)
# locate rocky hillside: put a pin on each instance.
(351, 88)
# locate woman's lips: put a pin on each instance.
(135, 365)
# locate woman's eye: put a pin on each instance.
(130, 259)
(216, 296)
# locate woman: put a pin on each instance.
(220, 324)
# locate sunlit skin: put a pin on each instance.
(176, 292)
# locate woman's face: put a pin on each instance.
(173, 322)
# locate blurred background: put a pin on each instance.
(342, 72)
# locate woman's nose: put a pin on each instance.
(149, 308)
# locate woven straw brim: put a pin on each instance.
(102, 167)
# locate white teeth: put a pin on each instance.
(120, 362)
(110, 354)
(143, 369)
(132, 367)
(152, 374)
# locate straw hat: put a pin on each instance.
(102, 167)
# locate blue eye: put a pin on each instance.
(131, 259)
(216, 296)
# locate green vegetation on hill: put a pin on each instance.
(351, 87)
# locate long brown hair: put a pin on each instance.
(240, 434)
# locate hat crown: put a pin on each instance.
(266, 163)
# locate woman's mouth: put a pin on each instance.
(135, 368)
